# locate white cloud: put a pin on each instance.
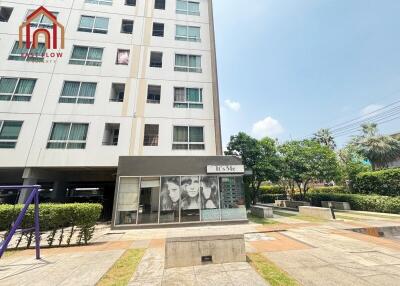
(233, 105)
(267, 127)
(370, 109)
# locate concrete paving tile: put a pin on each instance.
(378, 258)
(183, 280)
(246, 277)
(213, 278)
(140, 244)
(149, 269)
(151, 282)
(236, 266)
(179, 271)
(383, 280)
(209, 268)
(358, 269)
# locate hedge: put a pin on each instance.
(66, 219)
(373, 203)
(270, 198)
(272, 189)
(385, 182)
(332, 189)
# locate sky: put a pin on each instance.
(288, 68)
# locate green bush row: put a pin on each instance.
(385, 183)
(65, 218)
(270, 198)
(333, 189)
(272, 189)
(373, 203)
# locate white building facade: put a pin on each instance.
(136, 78)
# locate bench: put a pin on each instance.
(199, 250)
(324, 213)
(262, 211)
(336, 205)
(290, 204)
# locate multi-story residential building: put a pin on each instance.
(136, 78)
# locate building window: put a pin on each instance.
(153, 94)
(41, 21)
(188, 97)
(68, 136)
(5, 13)
(156, 59)
(158, 29)
(111, 134)
(188, 63)
(92, 24)
(187, 7)
(150, 135)
(88, 56)
(117, 92)
(159, 4)
(187, 33)
(9, 132)
(127, 27)
(130, 2)
(122, 57)
(188, 138)
(16, 89)
(78, 92)
(29, 55)
(100, 2)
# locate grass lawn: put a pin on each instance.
(260, 220)
(270, 272)
(122, 270)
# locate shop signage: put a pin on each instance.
(225, 169)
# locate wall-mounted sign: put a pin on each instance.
(225, 169)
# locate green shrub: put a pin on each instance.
(385, 183)
(55, 218)
(270, 198)
(333, 189)
(373, 203)
(272, 189)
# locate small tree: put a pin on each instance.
(307, 161)
(258, 156)
(378, 149)
(352, 164)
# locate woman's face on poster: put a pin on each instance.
(206, 192)
(193, 188)
(173, 190)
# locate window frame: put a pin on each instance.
(68, 141)
(39, 24)
(187, 12)
(155, 138)
(129, 55)
(77, 97)
(129, 4)
(188, 143)
(12, 141)
(187, 38)
(122, 25)
(26, 58)
(6, 7)
(187, 102)
(100, 2)
(164, 6)
(187, 68)
(112, 99)
(159, 33)
(85, 61)
(162, 55)
(93, 29)
(13, 94)
(152, 101)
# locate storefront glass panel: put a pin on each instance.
(190, 199)
(127, 205)
(210, 210)
(232, 198)
(149, 200)
(169, 199)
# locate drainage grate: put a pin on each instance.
(206, 259)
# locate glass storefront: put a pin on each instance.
(179, 199)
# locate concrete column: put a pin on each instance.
(24, 194)
(59, 191)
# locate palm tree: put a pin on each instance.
(325, 137)
(378, 149)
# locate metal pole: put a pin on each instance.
(37, 229)
(16, 224)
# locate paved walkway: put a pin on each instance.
(311, 251)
